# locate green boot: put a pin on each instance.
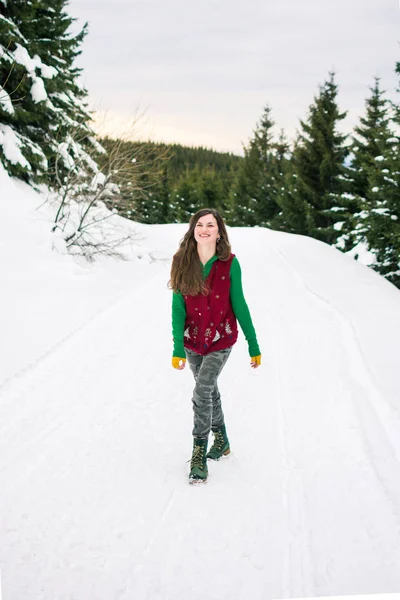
(198, 463)
(220, 446)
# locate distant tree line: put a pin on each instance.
(175, 181)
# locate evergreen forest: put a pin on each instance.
(340, 188)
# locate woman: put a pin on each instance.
(207, 300)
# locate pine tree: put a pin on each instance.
(381, 224)
(186, 197)
(45, 113)
(371, 141)
(211, 190)
(254, 194)
(283, 182)
(199, 188)
(17, 151)
(320, 179)
(245, 189)
(292, 216)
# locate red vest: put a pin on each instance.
(210, 321)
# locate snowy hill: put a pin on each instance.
(95, 425)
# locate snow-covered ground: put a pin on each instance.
(95, 425)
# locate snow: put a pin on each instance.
(11, 143)
(36, 150)
(15, 29)
(22, 57)
(99, 148)
(47, 71)
(98, 180)
(362, 253)
(95, 425)
(62, 96)
(38, 91)
(338, 226)
(5, 102)
(380, 211)
(63, 151)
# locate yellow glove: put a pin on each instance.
(178, 363)
(255, 361)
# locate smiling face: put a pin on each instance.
(206, 230)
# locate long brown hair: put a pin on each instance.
(186, 270)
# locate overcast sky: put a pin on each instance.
(203, 70)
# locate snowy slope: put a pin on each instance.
(95, 426)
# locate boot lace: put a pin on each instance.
(218, 440)
(197, 457)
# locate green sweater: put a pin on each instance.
(239, 306)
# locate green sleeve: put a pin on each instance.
(241, 309)
(178, 324)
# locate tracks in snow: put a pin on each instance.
(39, 418)
(297, 567)
(10, 384)
(361, 371)
(377, 428)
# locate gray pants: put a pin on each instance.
(206, 397)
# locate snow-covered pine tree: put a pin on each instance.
(382, 220)
(44, 120)
(17, 151)
(320, 175)
(372, 140)
(254, 194)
